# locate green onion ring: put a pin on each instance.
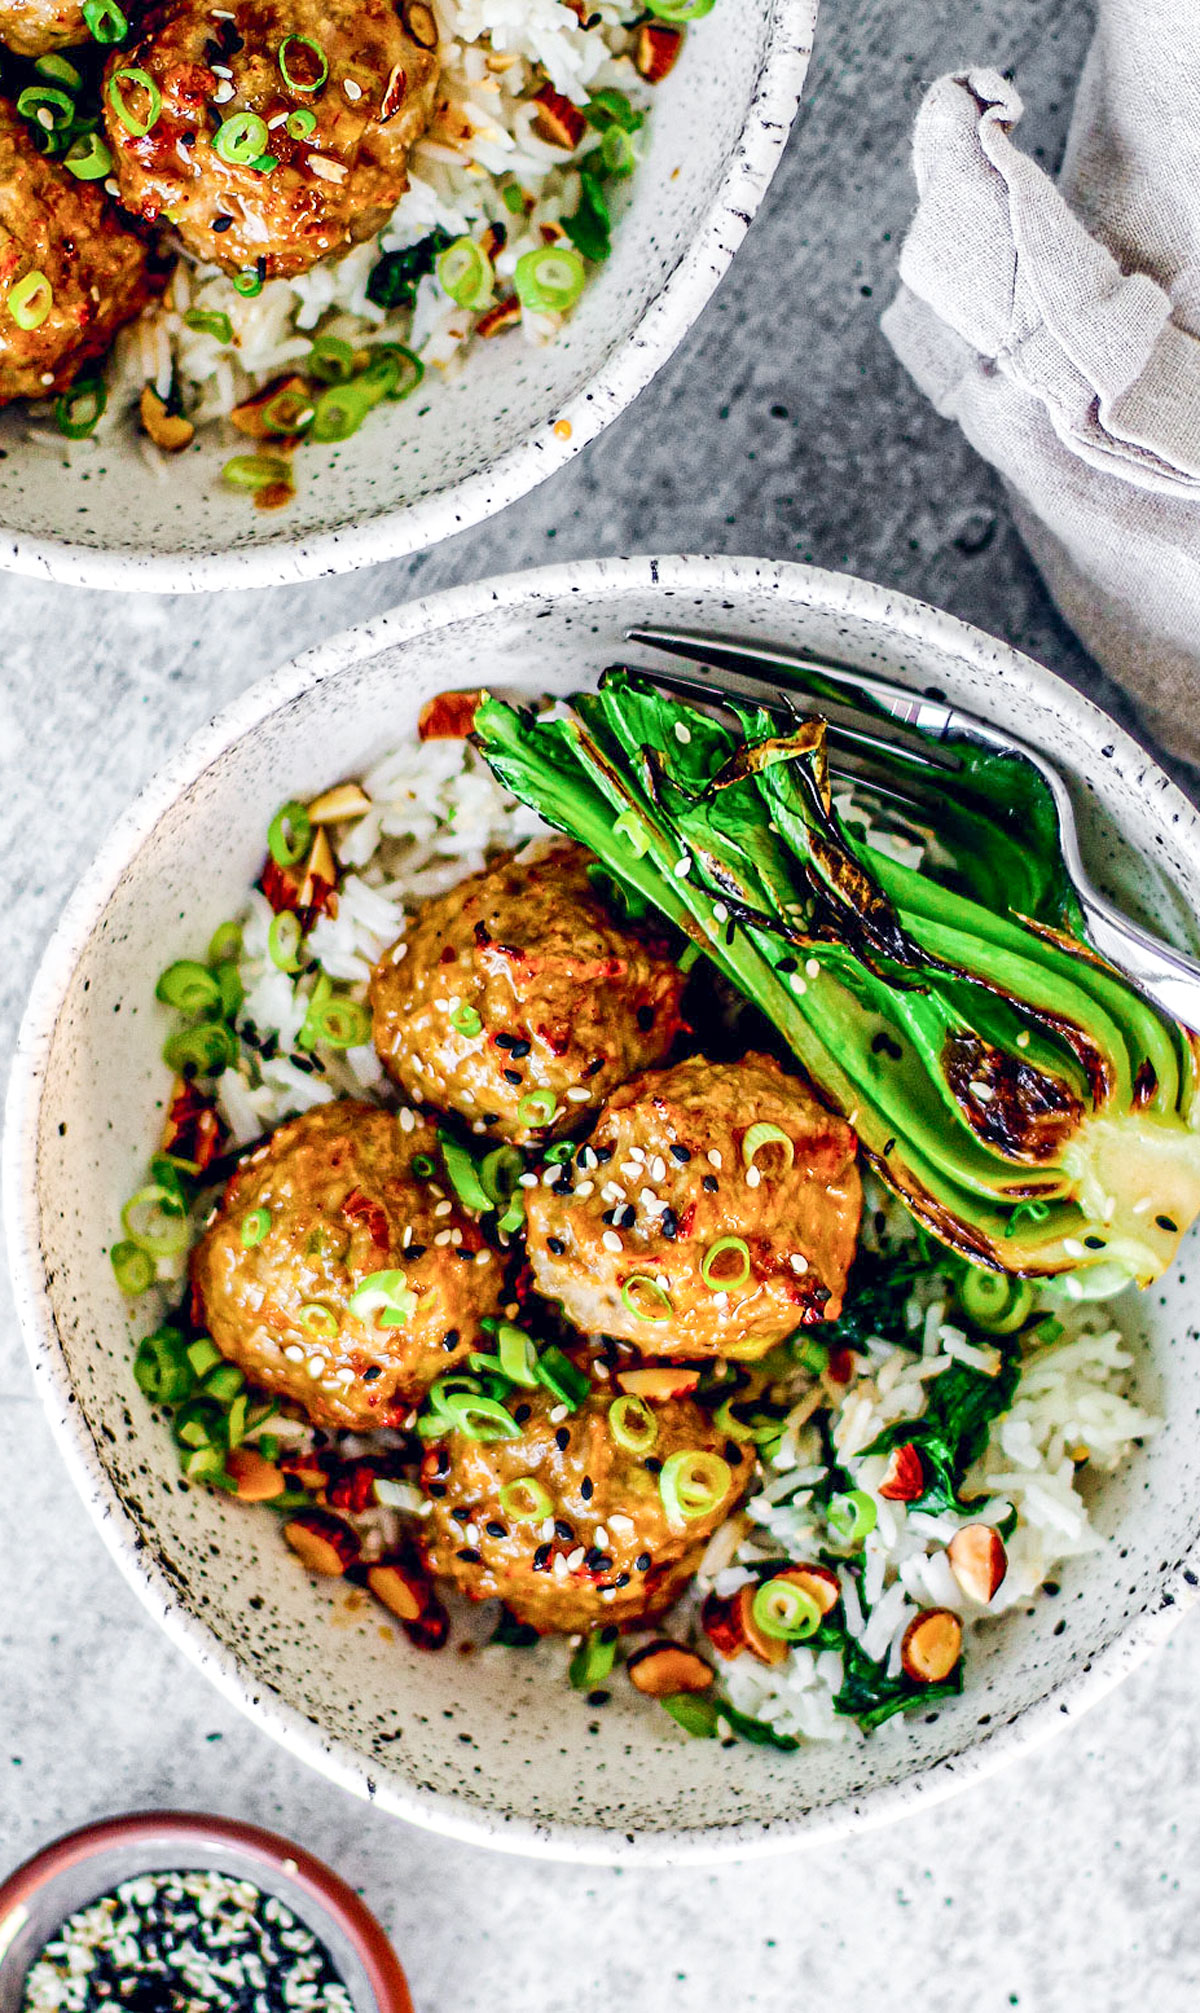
(640, 1283)
(726, 1420)
(78, 410)
(550, 279)
(384, 1300)
(518, 1358)
(210, 321)
(340, 411)
(248, 283)
(762, 1135)
(721, 1282)
(500, 1172)
(141, 80)
(617, 152)
(997, 1302)
(317, 1319)
(133, 1268)
(238, 141)
(851, 1517)
(478, 1417)
(536, 1108)
(315, 49)
(283, 941)
(30, 300)
(226, 943)
(88, 158)
(105, 22)
(525, 1501)
(302, 123)
(206, 1050)
(161, 1367)
(254, 1227)
(467, 1021)
(463, 1175)
(166, 1232)
(692, 1484)
(59, 71)
(339, 1023)
(409, 369)
(632, 1424)
(255, 471)
(594, 1659)
(562, 1377)
(38, 98)
(330, 359)
(189, 986)
(465, 272)
(289, 411)
(783, 1611)
(289, 834)
(422, 1166)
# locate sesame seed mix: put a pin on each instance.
(193, 1942)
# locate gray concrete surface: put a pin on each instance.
(782, 427)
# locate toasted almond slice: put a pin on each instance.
(663, 1668)
(418, 19)
(320, 875)
(168, 430)
(721, 1622)
(978, 1561)
(558, 121)
(258, 1480)
(399, 1590)
(327, 170)
(659, 1380)
(932, 1645)
(904, 1481)
(504, 315)
(768, 1649)
(337, 806)
(656, 50)
(818, 1582)
(324, 1543)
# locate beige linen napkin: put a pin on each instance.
(1061, 328)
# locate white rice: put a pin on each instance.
(494, 55)
(436, 815)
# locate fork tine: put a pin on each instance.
(727, 654)
(892, 738)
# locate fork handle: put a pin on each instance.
(1167, 977)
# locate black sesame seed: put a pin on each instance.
(622, 1580)
(450, 1339)
(564, 1530)
(541, 1559)
(495, 1530)
(681, 1153)
(730, 930)
(511, 1075)
(587, 1488)
(1094, 1243)
(372, 1371)
(642, 1562)
(521, 1413)
(604, 1154)
(506, 1040)
(460, 1515)
(669, 1224)
(416, 1251)
(443, 1460)
(710, 1183)
(437, 1489)
(652, 1465)
(489, 1118)
(609, 1633)
(609, 1216)
(521, 1049)
(562, 1439)
(733, 1453)
(469, 1556)
(1165, 1223)
(626, 1216)
(222, 223)
(597, 1561)
(598, 1697)
(556, 1245)
(786, 965)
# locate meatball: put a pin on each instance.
(284, 1273)
(662, 1233)
(517, 1001)
(607, 1548)
(94, 273)
(294, 191)
(35, 27)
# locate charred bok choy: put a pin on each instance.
(1033, 1111)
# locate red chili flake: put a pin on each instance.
(686, 1220)
(451, 716)
(281, 887)
(721, 1623)
(193, 1130)
(557, 1039)
(841, 1365)
(373, 1215)
(353, 1487)
(449, 955)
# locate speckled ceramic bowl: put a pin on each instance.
(426, 468)
(481, 1745)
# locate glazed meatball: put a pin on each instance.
(332, 1200)
(292, 193)
(95, 272)
(34, 27)
(517, 1001)
(607, 1549)
(629, 1238)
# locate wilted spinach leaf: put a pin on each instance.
(393, 282)
(870, 1696)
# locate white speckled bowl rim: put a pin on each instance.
(412, 527)
(798, 587)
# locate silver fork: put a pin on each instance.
(899, 762)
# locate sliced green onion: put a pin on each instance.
(997, 1302)
(105, 22)
(265, 164)
(133, 1267)
(680, 10)
(203, 1355)
(563, 1378)
(240, 140)
(783, 1611)
(317, 1319)
(692, 1484)
(78, 409)
(301, 123)
(152, 1220)
(206, 1050)
(852, 1517)
(594, 1659)
(559, 1154)
(409, 370)
(617, 152)
(500, 1172)
(719, 1281)
(30, 300)
(233, 992)
(632, 1424)
(235, 1425)
(88, 158)
(478, 1417)
(330, 359)
(726, 1420)
(161, 1367)
(283, 941)
(465, 272)
(289, 834)
(463, 1175)
(198, 1424)
(536, 1108)
(339, 1023)
(255, 471)
(58, 105)
(314, 48)
(384, 1300)
(695, 1714)
(141, 80)
(513, 1218)
(518, 1357)
(224, 1383)
(59, 71)
(762, 1135)
(210, 321)
(248, 283)
(466, 1020)
(255, 1225)
(513, 199)
(340, 411)
(549, 280)
(226, 943)
(639, 1288)
(810, 1353)
(165, 1171)
(290, 410)
(525, 1501)
(633, 830)
(189, 986)
(608, 108)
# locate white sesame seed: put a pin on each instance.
(658, 1168)
(280, 119)
(294, 1353)
(608, 1593)
(631, 1169)
(220, 69)
(547, 1531)
(720, 912)
(982, 1091)
(528, 1180)
(442, 1238)
(483, 1257)
(472, 1534)
(601, 1537)
(622, 1525)
(798, 985)
(611, 1241)
(1023, 1038)
(456, 1237)
(444, 1209)
(1140, 1207)
(753, 1177)
(813, 967)
(578, 1095)
(713, 1157)
(425, 1510)
(1073, 1247)
(435, 1190)
(443, 1006)
(721, 1299)
(798, 1262)
(558, 1414)
(561, 1568)
(316, 1366)
(576, 1558)
(683, 867)
(406, 1240)
(353, 91)
(584, 1189)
